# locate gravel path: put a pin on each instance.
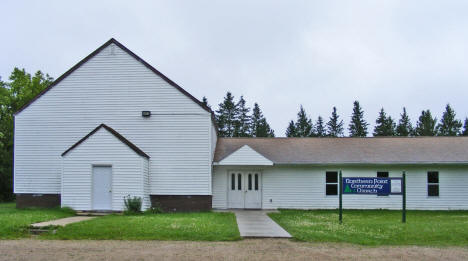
(250, 249)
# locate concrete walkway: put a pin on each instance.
(256, 223)
(61, 222)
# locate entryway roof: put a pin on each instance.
(113, 132)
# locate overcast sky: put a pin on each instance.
(278, 53)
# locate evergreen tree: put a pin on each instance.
(358, 125)
(404, 127)
(304, 125)
(335, 125)
(226, 116)
(259, 126)
(291, 130)
(385, 126)
(242, 119)
(449, 126)
(205, 102)
(426, 125)
(320, 128)
(465, 128)
(264, 129)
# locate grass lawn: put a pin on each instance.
(377, 227)
(14, 223)
(205, 226)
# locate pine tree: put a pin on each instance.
(449, 126)
(205, 102)
(320, 128)
(291, 130)
(259, 126)
(465, 128)
(264, 129)
(242, 119)
(334, 125)
(304, 125)
(385, 126)
(426, 125)
(358, 125)
(226, 116)
(404, 127)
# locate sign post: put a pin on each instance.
(403, 217)
(341, 198)
(372, 186)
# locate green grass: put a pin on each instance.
(14, 223)
(205, 226)
(377, 227)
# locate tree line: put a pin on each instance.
(426, 125)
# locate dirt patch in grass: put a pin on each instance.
(251, 249)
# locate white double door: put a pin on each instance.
(245, 189)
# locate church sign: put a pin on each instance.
(373, 186)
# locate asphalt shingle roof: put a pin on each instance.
(376, 150)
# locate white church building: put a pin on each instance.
(114, 126)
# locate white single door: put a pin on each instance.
(102, 188)
(236, 189)
(253, 193)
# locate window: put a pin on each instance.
(250, 181)
(433, 184)
(233, 181)
(256, 181)
(239, 181)
(382, 174)
(331, 180)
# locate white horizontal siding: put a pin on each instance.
(102, 148)
(304, 188)
(114, 89)
(245, 156)
(146, 184)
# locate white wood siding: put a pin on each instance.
(245, 156)
(102, 148)
(146, 184)
(114, 89)
(304, 188)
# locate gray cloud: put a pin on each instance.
(279, 53)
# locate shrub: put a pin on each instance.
(156, 209)
(132, 204)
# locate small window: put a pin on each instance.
(250, 181)
(233, 181)
(331, 180)
(256, 181)
(382, 174)
(239, 181)
(433, 184)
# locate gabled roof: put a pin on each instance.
(376, 150)
(245, 155)
(113, 132)
(113, 41)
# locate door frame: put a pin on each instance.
(92, 185)
(244, 180)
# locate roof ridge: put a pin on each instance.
(113, 132)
